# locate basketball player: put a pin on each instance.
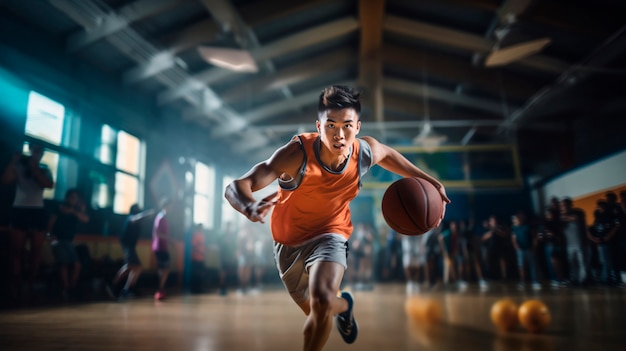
(131, 270)
(318, 175)
(160, 246)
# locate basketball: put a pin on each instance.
(534, 316)
(504, 314)
(412, 206)
(423, 310)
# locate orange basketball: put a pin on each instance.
(421, 310)
(504, 314)
(534, 316)
(412, 206)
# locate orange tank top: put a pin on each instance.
(319, 203)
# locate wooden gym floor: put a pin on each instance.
(589, 319)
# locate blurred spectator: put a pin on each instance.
(28, 220)
(602, 233)
(524, 242)
(393, 257)
(414, 260)
(616, 210)
(160, 246)
(472, 253)
(198, 253)
(553, 241)
(62, 230)
(228, 258)
(245, 257)
(362, 249)
(263, 255)
(448, 240)
(576, 242)
(498, 241)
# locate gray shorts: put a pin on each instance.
(293, 262)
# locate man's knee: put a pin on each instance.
(321, 301)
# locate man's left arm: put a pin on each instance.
(393, 161)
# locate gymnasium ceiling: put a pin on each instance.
(416, 61)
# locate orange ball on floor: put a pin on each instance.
(504, 314)
(534, 315)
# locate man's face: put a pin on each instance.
(338, 129)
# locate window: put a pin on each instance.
(126, 192)
(204, 195)
(127, 153)
(129, 160)
(44, 118)
(106, 150)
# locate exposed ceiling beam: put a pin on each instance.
(434, 93)
(410, 106)
(260, 12)
(186, 39)
(191, 36)
(300, 40)
(292, 75)
(208, 30)
(465, 41)
(371, 17)
(268, 110)
(434, 33)
(123, 18)
(556, 15)
(272, 109)
(460, 70)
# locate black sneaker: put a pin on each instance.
(346, 324)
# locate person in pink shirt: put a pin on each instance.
(160, 243)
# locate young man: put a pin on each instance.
(132, 265)
(318, 175)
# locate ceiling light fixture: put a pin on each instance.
(232, 59)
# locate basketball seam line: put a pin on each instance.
(406, 210)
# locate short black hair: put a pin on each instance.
(338, 97)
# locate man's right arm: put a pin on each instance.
(285, 160)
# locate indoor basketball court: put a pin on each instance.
(585, 320)
(160, 158)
